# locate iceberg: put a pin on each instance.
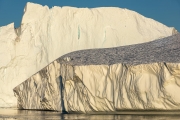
(135, 77)
(46, 33)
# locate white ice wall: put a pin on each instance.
(46, 34)
(95, 88)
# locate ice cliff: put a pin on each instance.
(136, 77)
(46, 34)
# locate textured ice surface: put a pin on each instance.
(108, 80)
(46, 34)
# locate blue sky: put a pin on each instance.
(164, 11)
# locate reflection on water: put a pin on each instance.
(13, 114)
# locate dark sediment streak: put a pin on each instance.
(162, 50)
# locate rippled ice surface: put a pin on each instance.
(14, 114)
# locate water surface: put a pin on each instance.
(14, 114)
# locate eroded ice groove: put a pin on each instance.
(108, 79)
(46, 34)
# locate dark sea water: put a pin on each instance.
(14, 114)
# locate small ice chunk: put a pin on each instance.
(67, 59)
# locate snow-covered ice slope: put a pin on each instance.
(46, 34)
